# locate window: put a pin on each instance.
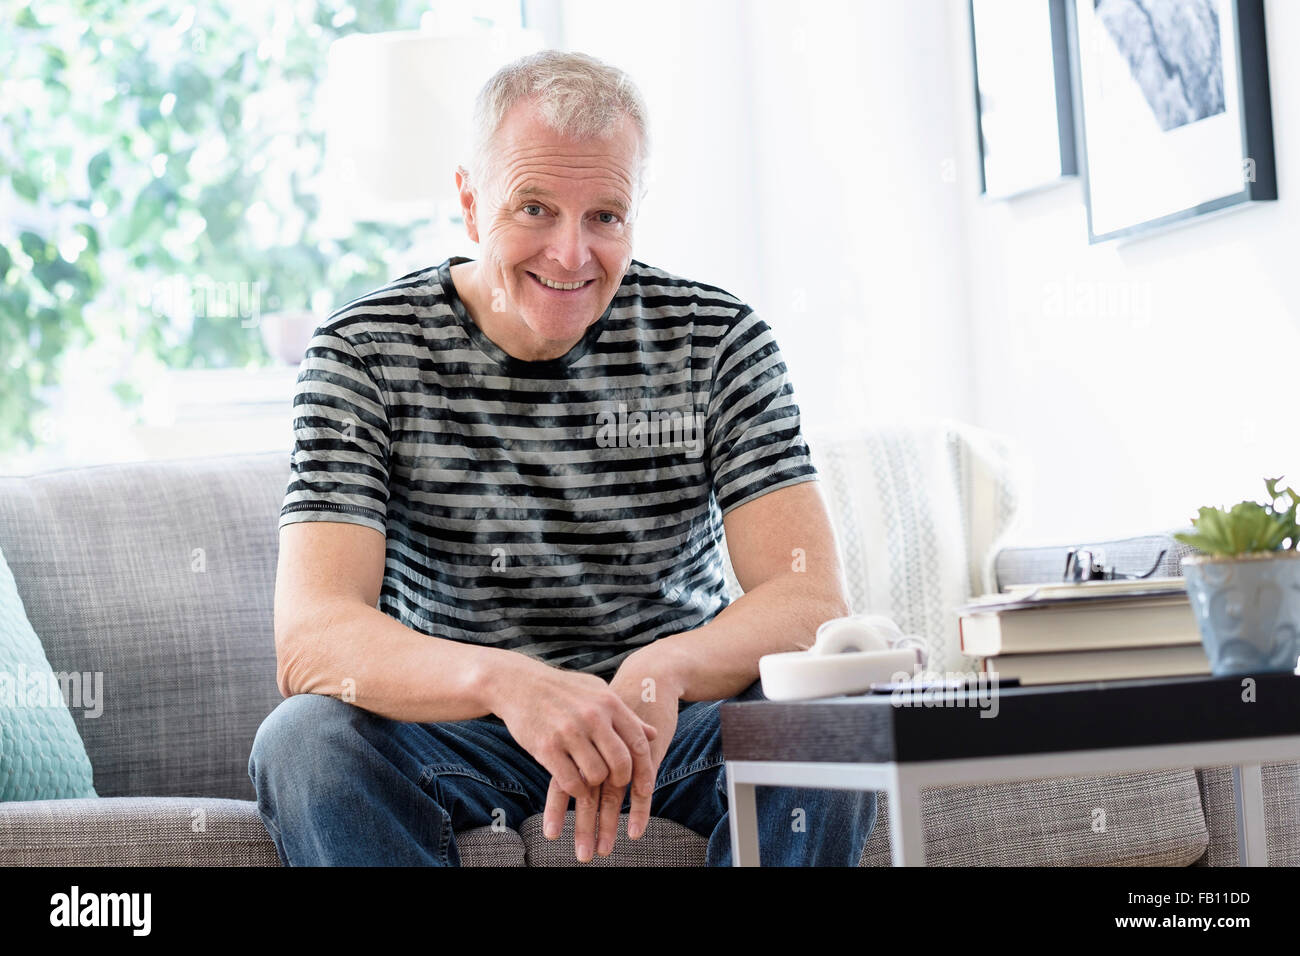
(160, 218)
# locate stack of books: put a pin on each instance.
(1087, 631)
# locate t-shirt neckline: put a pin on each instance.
(508, 362)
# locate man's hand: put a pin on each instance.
(645, 685)
(578, 728)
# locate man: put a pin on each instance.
(500, 586)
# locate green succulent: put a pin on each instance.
(1248, 526)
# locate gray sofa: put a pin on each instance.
(160, 575)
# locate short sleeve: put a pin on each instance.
(756, 443)
(339, 464)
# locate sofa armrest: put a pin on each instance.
(134, 831)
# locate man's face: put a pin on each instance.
(554, 211)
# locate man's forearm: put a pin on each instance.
(720, 659)
(366, 657)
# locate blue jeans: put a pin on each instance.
(338, 785)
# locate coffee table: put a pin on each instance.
(899, 745)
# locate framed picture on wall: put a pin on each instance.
(1174, 112)
(1022, 95)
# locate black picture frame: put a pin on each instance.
(1062, 77)
(1255, 127)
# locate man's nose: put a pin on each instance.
(570, 247)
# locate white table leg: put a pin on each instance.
(744, 821)
(906, 834)
(1248, 796)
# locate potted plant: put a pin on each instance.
(1245, 586)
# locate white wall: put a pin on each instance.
(1145, 378)
(803, 161)
(818, 160)
(687, 58)
(859, 213)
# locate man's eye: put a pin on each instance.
(532, 205)
(611, 220)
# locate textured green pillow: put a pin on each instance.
(41, 753)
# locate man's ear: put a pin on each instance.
(467, 204)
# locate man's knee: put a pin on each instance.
(294, 732)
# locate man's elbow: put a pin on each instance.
(817, 600)
(288, 662)
(284, 675)
(839, 607)
(283, 681)
(832, 607)
(827, 597)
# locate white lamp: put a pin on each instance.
(398, 109)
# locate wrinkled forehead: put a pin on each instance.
(527, 152)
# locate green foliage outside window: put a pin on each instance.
(156, 145)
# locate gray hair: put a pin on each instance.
(577, 95)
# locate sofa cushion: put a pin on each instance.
(160, 575)
(41, 755)
(134, 831)
(176, 831)
(1151, 819)
(1281, 814)
(489, 846)
(664, 843)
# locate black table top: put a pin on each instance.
(877, 728)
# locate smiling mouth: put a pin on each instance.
(561, 286)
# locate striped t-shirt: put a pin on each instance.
(570, 509)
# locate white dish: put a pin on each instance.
(801, 675)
